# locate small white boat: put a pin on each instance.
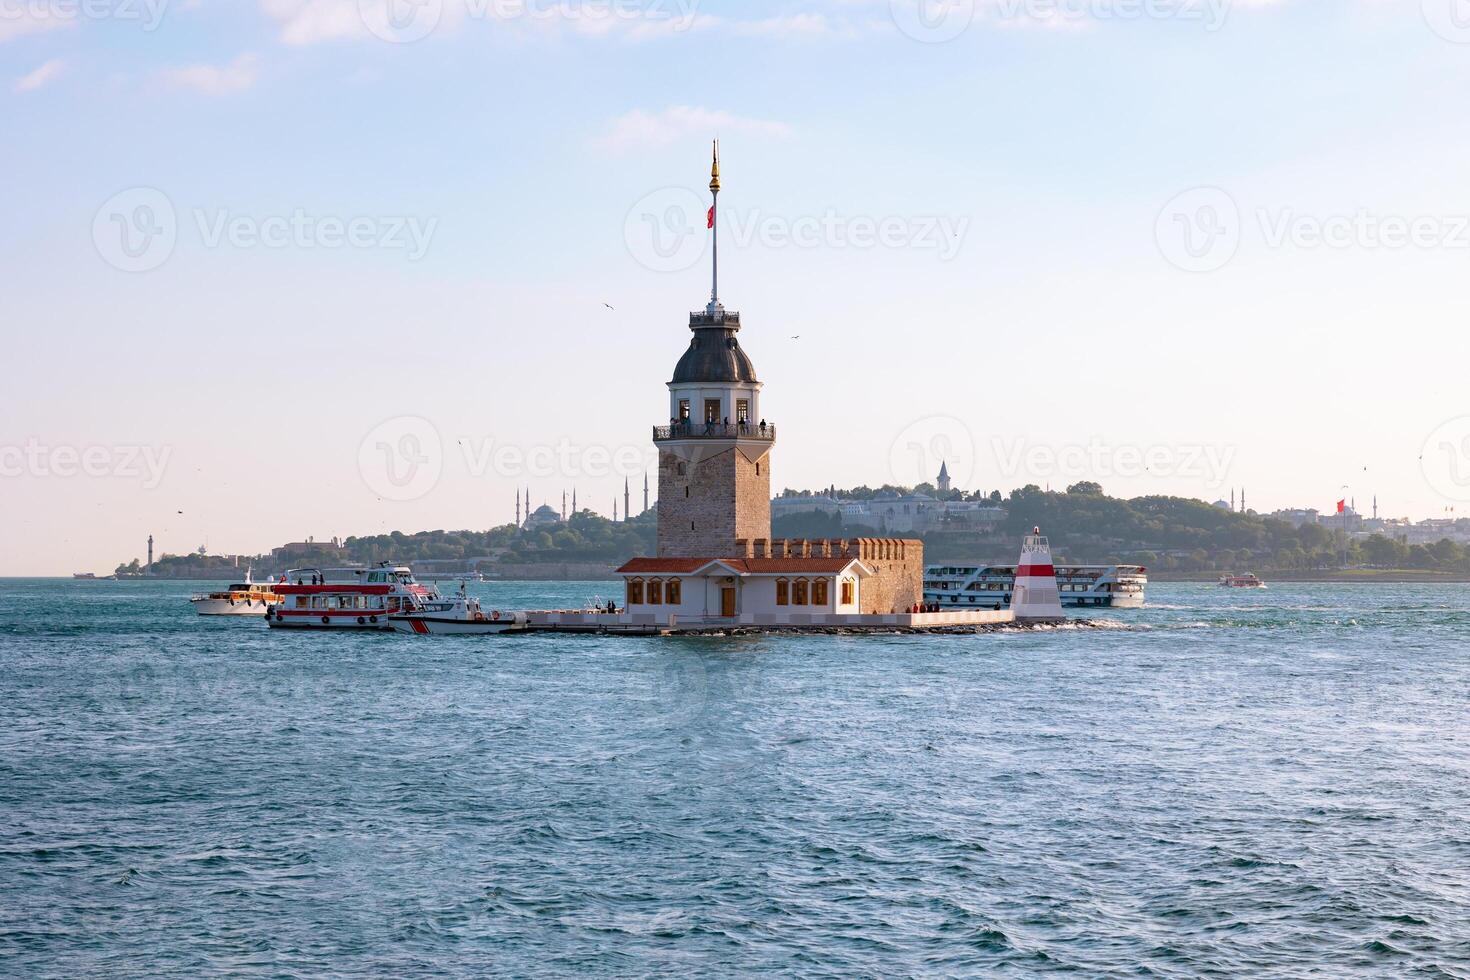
(247, 598)
(459, 615)
(1241, 582)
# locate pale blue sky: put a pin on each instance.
(1034, 295)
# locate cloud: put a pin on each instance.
(19, 19)
(639, 129)
(42, 75)
(237, 76)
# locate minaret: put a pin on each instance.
(1375, 506)
(714, 477)
(615, 510)
(518, 506)
(645, 491)
(574, 501)
(1232, 500)
(149, 566)
(627, 501)
(563, 506)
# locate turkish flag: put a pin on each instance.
(710, 218)
(1341, 506)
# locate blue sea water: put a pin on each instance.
(1227, 783)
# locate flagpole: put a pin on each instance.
(714, 223)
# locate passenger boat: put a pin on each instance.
(247, 598)
(346, 598)
(1241, 582)
(458, 615)
(991, 586)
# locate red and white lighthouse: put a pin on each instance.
(1035, 598)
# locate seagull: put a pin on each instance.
(796, 336)
(609, 306)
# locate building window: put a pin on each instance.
(683, 410)
(655, 591)
(711, 409)
(635, 592)
(819, 592)
(742, 411)
(686, 493)
(682, 469)
(798, 594)
(673, 592)
(847, 585)
(783, 592)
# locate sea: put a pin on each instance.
(1227, 783)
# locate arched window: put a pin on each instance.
(783, 592)
(819, 592)
(635, 592)
(798, 594)
(673, 592)
(655, 591)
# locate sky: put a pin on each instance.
(287, 268)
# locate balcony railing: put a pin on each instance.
(714, 430)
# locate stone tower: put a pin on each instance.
(714, 475)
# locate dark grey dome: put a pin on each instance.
(714, 352)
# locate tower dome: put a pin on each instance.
(714, 353)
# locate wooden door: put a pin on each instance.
(727, 602)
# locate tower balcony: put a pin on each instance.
(714, 430)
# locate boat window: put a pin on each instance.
(303, 602)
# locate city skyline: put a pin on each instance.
(275, 322)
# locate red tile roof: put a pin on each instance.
(751, 566)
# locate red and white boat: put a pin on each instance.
(346, 598)
(458, 615)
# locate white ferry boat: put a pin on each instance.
(991, 586)
(1248, 581)
(247, 598)
(346, 598)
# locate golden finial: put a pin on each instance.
(714, 170)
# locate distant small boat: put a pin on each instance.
(1241, 582)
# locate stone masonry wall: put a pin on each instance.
(706, 508)
(898, 565)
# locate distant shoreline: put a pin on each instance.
(1365, 576)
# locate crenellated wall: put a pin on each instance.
(898, 564)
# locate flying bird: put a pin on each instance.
(609, 306)
(796, 336)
